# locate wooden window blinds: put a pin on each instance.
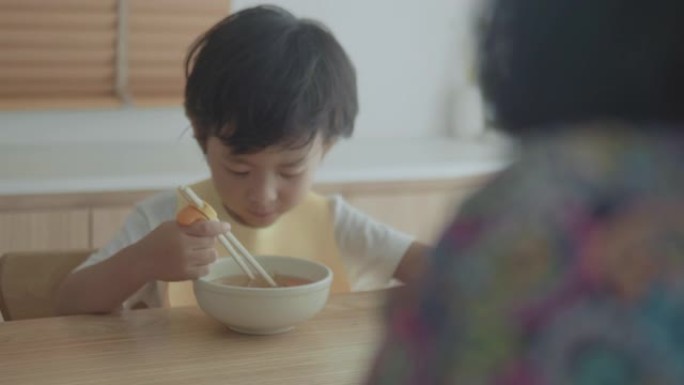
(94, 53)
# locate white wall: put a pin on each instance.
(408, 56)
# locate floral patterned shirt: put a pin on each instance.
(568, 268)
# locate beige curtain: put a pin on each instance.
(94, 53)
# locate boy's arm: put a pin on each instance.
(169, 253)
(103, 287)
(413, 263)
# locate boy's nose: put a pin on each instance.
(263, 192)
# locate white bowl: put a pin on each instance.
(264, 311)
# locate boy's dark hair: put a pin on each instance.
(262, 77)
(544, 63)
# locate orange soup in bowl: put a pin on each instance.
(244, 281)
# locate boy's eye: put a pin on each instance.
(290, 174)
(239, 172)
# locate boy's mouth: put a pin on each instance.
(254, 218)
(262, 215)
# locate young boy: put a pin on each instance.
(267, 95)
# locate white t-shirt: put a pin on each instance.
(369, 250)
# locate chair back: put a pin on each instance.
(29, 281)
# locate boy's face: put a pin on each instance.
(257, 188)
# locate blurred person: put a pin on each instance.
(568, 268)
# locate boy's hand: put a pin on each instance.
(173, 252)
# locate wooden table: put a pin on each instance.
(185, 346)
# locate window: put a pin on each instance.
(94, 53)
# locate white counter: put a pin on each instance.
(60, 168)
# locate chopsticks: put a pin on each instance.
(228, 240)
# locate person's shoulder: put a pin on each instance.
(335, 200)
(158, 200)
(579, 165)
(158, 207)
(542, 172)
(340, 208)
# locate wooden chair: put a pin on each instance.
(29, 281)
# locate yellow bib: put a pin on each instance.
(306, 231)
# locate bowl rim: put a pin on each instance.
(321, 284)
